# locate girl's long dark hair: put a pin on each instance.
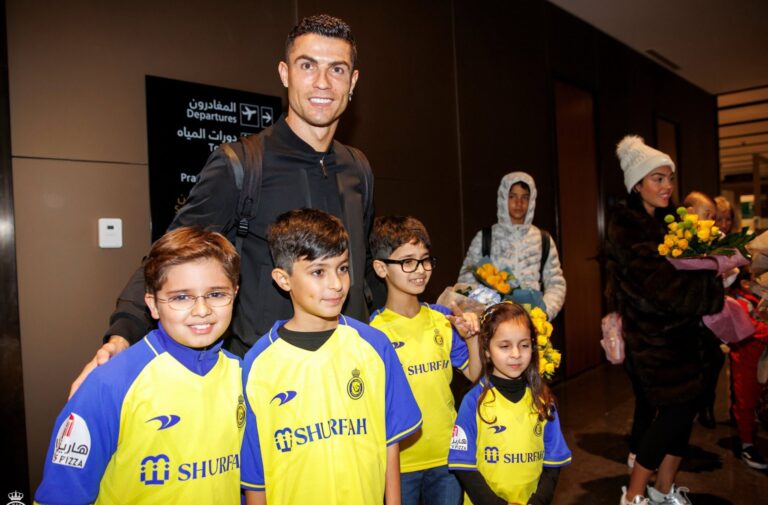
(543, 399)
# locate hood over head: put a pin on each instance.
(502, 198)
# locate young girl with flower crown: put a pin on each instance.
(507, 446)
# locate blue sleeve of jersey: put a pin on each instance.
(459, 350)
(87, 429)
(556, 451)
(403, 415)
(251, 462)
(463, 450)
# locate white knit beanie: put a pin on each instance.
(638, 160)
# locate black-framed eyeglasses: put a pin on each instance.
(186, 302)
(410, 265)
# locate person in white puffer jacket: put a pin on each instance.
(516, 244)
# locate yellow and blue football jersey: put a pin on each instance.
(429, 348)
(511, 452)
(158, 423)
(319, 422)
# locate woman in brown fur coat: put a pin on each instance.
(661, 311)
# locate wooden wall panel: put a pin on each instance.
(579, 217)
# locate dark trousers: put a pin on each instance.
(668, 433)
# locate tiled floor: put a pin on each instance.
(596, 409)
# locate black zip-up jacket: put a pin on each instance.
(294, 176)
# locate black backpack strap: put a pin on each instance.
(247, 168)
(545, 243)
(359, 159)
(487, 237)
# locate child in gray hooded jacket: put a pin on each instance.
(516, 244)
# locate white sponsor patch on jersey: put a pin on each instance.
(73, 442)
(459, 439)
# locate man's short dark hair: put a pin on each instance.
(391, 232)
(325, 25)
(305, 234)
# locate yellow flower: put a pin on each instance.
(537, 313)
(682, 233)
(703, 235)
(676, 252)
(715, 230)
(688, 235)
(549, 368)
(669, 241)
(547, 329)
(663, 249)
(692, 218)
(539, 325)
(673, 226)
(682, 244)
(556, 357)
(542, 340)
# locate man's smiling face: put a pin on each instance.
(319, 77)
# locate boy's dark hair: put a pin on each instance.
(325, 25)
(492, 318)
(523, 185)
(391, 232)
(184, 245)
(305, 234)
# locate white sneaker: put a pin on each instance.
(676, 496)
(639, 500)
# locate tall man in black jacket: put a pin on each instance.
(301, 168)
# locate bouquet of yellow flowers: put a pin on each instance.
(498, 280)
(691, 237)
(549, 357)
(688, 237)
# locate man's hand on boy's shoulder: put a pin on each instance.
(110, 349)
(466, 323)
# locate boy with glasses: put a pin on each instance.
(429, 340)
(163, 421)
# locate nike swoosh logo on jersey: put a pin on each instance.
(283, 397)
(166, 421)
(398, 345)
(498, 429)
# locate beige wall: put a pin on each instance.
(78, 128)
